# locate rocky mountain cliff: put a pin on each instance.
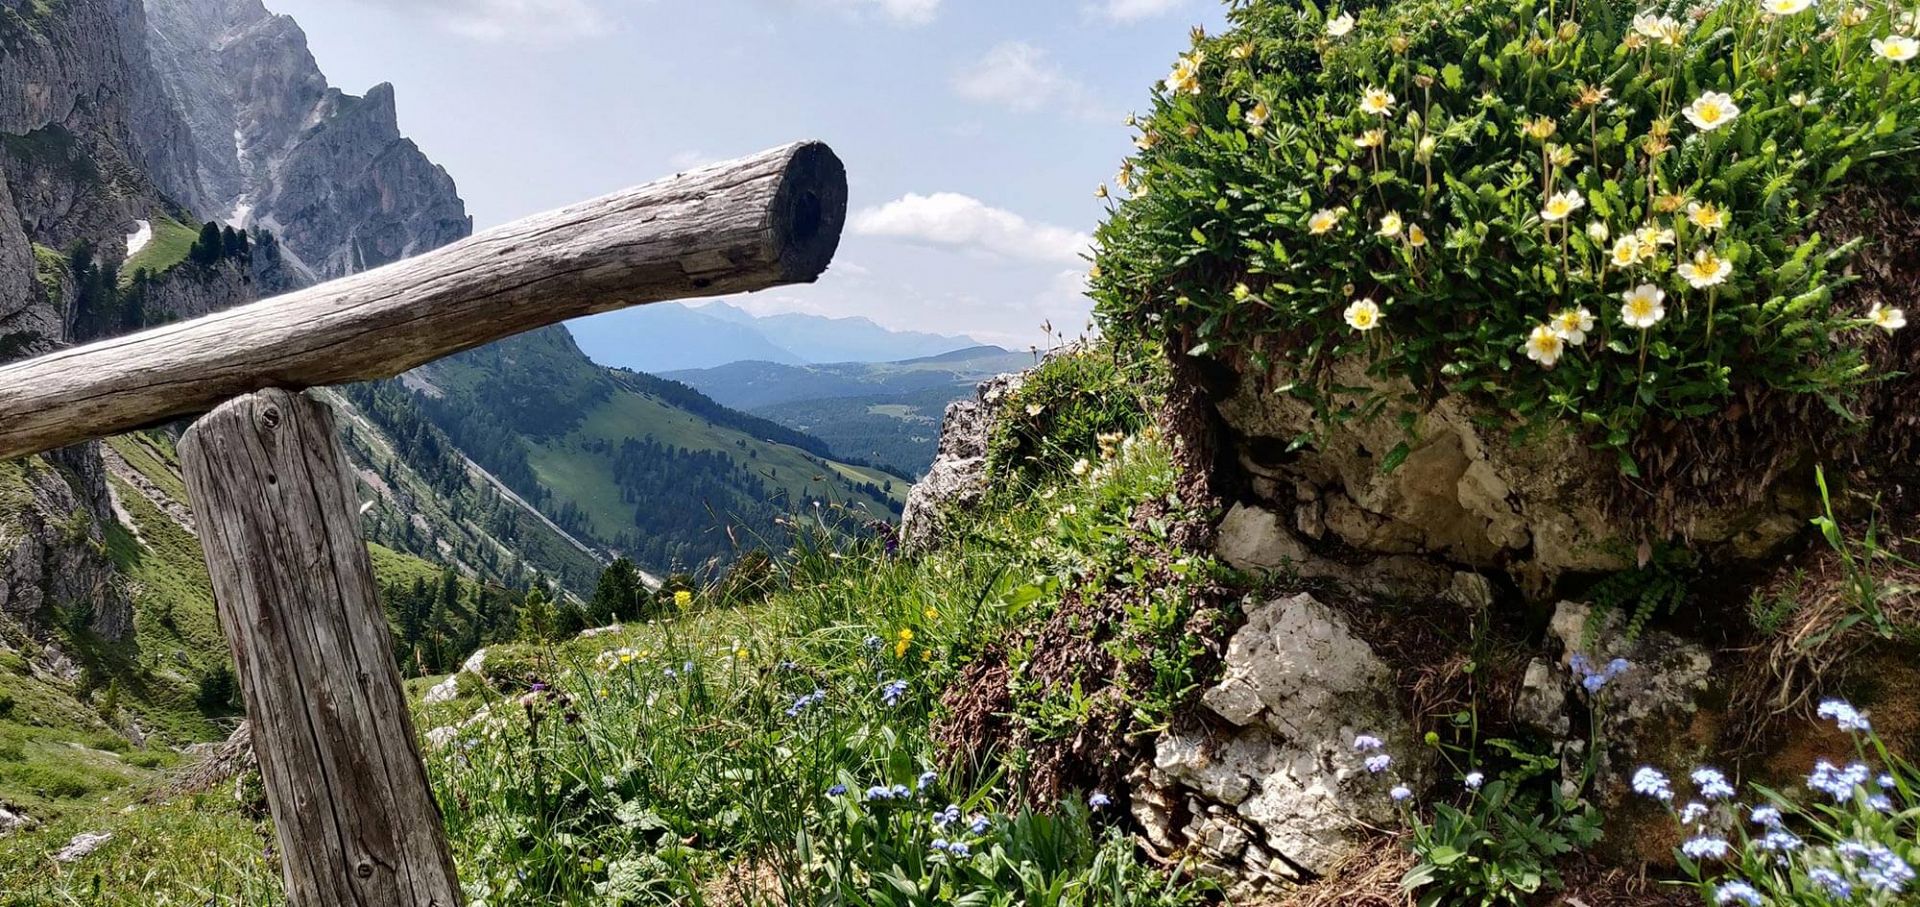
(276, 147)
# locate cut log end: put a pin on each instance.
(809, 211)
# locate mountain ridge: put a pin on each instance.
(674, 336)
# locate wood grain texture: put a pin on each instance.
(294, 586)
(770, 219)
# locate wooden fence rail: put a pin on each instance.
(276, 505)
(770, 219)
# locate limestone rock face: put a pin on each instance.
(958, 477)
(52, 547)
(1281, 789)
(1464, 494)
(327, 172)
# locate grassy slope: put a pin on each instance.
(705, 760)
(58, 754)
(169, 246)
(585, 477)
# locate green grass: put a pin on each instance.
(574, 473)
(171, 242)
(49, 266)
(683, 774)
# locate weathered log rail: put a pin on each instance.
(275, 501)
(770, 219)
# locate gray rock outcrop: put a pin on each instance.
(327, 172)
(1278, 788)
(958, 478)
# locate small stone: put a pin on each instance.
(1470, 591)
(82, 844)
(1542, 703)
(1253, 539)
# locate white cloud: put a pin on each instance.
(1019, 76)
(1135, 10)
(952, 220)
(511, 21)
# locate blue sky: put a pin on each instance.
(974, 131)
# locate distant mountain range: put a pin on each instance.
(672, 337)
(886, 413)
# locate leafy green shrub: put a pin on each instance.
(1446, 190)
(218, 692)
(6, 706)
(1074, 405)
(51, 782)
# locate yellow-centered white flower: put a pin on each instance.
(1259, 115)
(1390, 224)
(1572, 325)
(1706, 269)
(1185, 78)
(1712, 110)
(1324, 219)
(1416, 237)
(1597, 231)
(1544, 346)
(1372, 138)
(1787, 7)
(1887, 318)
(1706, 216)
(1340, 25)
(1362, 315)
(1897, 48)
(1376, 101)
(1626, 252)
(1561, 204)
(1643, 306)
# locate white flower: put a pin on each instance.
(1712, 110)
(1544, 346)
(1664, 29)
(1363, 315)
(1706, 269)
(1416, 237)
(1897, 48)
(1185, 78)
(1573, 324)
(1787, 7)
(1561, 204)
(1645, 306)
(1259, 115)
(1324, 219)
(1707, 216)
(1081, 466)
(1887, 318)
(1627, 252)
(1340, 25)
(1376, 101)
(1597, 231)
(1390, 224)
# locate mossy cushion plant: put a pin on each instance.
(1577, 211)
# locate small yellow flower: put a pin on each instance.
(1338, 26)
(1707, 269)
(1185, 78)
(1539, 128)
(740, 653)
(1887, 318)
(1561, 204)
(1372, 138)
(1707, 216)
(1324, 219)
(1897, 48)
(1544, 346)
(1259, 115)
(902, 643)
(1416, 237)
(1572, 325)
(1376, 101)
(682, 599)
(931, 614)
(1645, 306)
(1712, 110)
(1362, 315)
(1390, 224)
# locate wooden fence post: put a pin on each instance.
(279, 523)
